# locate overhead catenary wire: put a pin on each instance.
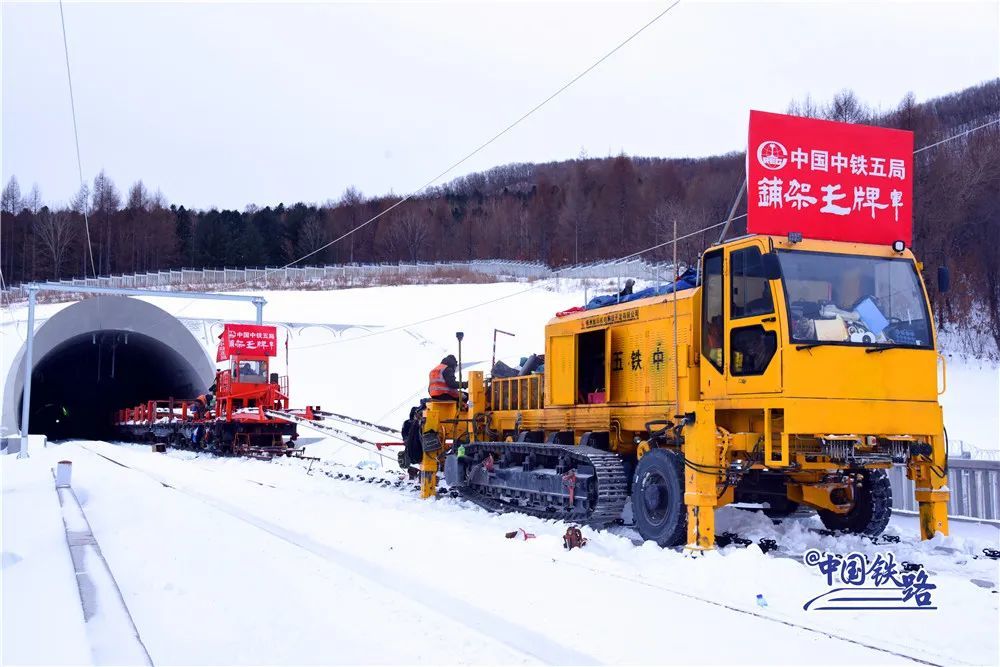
(620, 259)
(76, 137)
(475, 151)
(957, 136)
(489, 141)
(624, 258)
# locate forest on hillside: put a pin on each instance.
(560, 213)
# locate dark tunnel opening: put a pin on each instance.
(77, 387)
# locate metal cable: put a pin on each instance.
(76, 136)
(957, 136)
(478, 149)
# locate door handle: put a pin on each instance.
(770, 319)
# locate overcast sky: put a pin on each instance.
(228, 104)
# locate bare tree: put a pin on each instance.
(56, 234)
(352, 200)
(847, 108)
(138, 197)
(408, 235)
(312, 235)
(105, 202)
(34, 201)
(806, 108)
(78, 203)
(105, 197)
(10, 201)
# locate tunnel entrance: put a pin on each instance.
(99, 355)
(77, 387)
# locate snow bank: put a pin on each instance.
(42, 620)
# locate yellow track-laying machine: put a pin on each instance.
(782, 370)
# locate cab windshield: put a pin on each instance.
(252, 371)
(854, 300)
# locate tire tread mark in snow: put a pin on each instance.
(519, 638)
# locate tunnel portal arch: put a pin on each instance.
(99, 355)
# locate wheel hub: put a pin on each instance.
(653, 496)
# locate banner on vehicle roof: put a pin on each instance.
(829, 180)
(253, 339)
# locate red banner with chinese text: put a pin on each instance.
(829, 180)
(250, 339)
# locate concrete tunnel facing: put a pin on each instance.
(97, 356)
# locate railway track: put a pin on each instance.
(461, 610)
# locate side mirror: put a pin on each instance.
(944, 279)
(771, 265)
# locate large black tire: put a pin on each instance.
(872, 507)
(658, 498)
(780, 508)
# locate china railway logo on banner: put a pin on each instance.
(249, 339)
(829, 180)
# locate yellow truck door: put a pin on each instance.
(753, 350)
(560, 370)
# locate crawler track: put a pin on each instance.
(531, 478)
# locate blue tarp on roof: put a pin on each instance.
(687, 280)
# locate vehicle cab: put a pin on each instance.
(815, 319)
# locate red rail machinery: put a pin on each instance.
(237, 421)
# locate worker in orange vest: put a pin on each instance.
(442, 384)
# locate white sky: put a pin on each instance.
(227, 104)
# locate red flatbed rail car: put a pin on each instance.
(238, 422)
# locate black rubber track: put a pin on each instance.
(605, 501)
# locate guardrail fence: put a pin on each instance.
(974, 485)
(359, 274)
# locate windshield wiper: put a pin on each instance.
(809, 346)
(883, 348)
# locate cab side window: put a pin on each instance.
(752, 349)
(712, 326)
(751, 292)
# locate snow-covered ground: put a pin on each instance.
(226, 561)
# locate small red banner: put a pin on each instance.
(250, 339)
(829, 180)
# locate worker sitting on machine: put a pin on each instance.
(442, 384)
(627, 290)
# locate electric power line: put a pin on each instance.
(76, 136)
(620, 259)
(491, 139)
(957, 136)
(475, 151)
